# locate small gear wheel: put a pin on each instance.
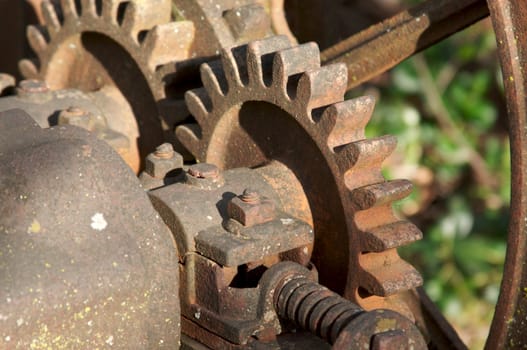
(126, 48)
(134, 52)
(268, 101)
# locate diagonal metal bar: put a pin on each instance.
(382, 46)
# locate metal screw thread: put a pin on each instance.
(164, 151)
(315, 308)
(250, 196)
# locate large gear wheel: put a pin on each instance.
(268, 101)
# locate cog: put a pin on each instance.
(268, 101)
(224, 23)
(131, 46)
(136, 48)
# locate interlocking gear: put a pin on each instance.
(135, 47)
(96, 45)
(268, 101)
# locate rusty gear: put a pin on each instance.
(135, 47)
(221, 23)
(268, 101)
(95, 45)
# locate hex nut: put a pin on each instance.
(250, 214)
(33, 90)
(204, 171)
(158, 167)
(77, 117)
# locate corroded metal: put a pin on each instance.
(322, 172)
(382, 46)
(131, 47)
(102, 112)
(342, 323)
(222, 258)
(255, 93)
(510, 25)
(85, 261)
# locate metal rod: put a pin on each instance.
(382, 46)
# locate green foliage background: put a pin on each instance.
(446, 107)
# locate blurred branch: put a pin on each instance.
(447, 125)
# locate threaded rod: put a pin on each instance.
(315, 308)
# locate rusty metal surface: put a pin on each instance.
(129, 46)
(101, 112)
(137, 47)
(270, 101)
(85, 261)
(342, 323)
(221, 258)
(510, 25)
(223, 23)
(380, 47)
(375, 330)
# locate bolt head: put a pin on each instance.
(250, 196)
(164, 151)
(251, 213)
(159, 167)
(390, 340)
(32, 86)
(77, 117)
(33, 90)
(204, 171)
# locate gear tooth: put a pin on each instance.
(260, 56)
(169, 42)
(234, 62)
(140, 16)
(289, 63)
(110, 9)
(37, 39)
(380, 194)
(214, 80)
(199, 104)
(384, 237)
(345, 121)
(323, 86)
(385, 274)
(358, 160)
(249, 22)
(28, 68)
(68, 9)
(51, 18)
(189, 135)
(89, 7)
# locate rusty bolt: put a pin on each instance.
(32, 86)
(34, 90)
(162, 161)
(251, 209)
(76, 116)
(250, 196)
(164, 151)
(204, 171)
(390, 340)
